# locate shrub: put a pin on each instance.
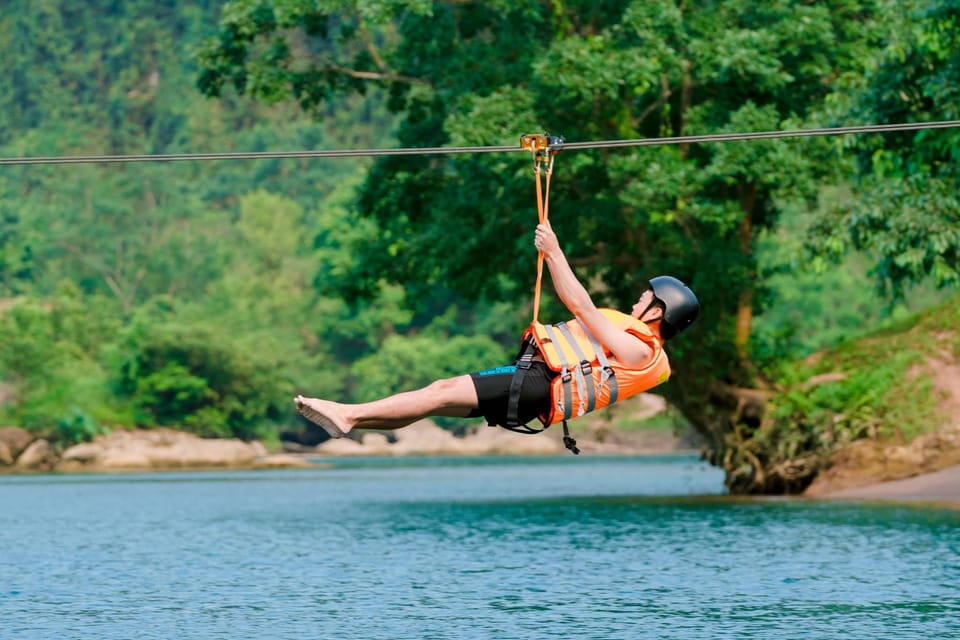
(198, 379)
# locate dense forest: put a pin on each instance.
(204, 295)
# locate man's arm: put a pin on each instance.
(626, 348)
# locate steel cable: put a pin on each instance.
(604, 144)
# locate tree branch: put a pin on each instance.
(665, 93)
(372, 75)
(371, 48)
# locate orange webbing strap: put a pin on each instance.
(543, 205)
(543, 147)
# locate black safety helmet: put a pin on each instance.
(680, 305)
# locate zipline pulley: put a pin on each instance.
(543, 146)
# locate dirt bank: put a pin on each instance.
(939, 486)
(926, 468)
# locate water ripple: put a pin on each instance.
(594, 548)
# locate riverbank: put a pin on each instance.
(165, 449)
(854, 478)
(941, 487)
(160, 449)
(926, 468)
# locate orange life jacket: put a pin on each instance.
(590, 377)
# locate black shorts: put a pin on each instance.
(493, 392)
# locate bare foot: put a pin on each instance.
(324, 414)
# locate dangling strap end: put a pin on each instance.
(568, 441)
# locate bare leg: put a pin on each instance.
(454, 397)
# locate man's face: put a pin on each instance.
(643, 305)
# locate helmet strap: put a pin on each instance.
(651, 305)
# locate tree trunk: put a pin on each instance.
(748, 200)
(732, 417)
(744, 322)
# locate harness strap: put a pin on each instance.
(524, 360)
(544, 148)
(521, 428)
(543, 212)
(584, 373)
(608, 373)
(569, 442)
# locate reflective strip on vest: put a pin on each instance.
(607, 374)
(567, 393)
(584, 379)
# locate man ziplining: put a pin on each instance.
(563, 371)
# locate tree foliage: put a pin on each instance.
(482, 73)
(905, 214)
(193, 377)
(176, 246)
(49, 360)
(203, 295)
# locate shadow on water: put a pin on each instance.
(716, 509)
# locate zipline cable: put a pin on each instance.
(409, 151)
(766, 135)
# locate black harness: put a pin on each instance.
(524, 361)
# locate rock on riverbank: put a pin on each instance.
(425, 438)
(167, 449)
(138, 450)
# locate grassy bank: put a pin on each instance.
(887, 388)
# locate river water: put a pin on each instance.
(561, 547)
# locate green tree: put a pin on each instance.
(103, 77)
(154, 249)
(482, 73)
(51, 365)
(405, 363)
(906, 215)
(194, 377)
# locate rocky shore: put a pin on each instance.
(918, 473)
(425, 438)
(137, 450)
(168, 449)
